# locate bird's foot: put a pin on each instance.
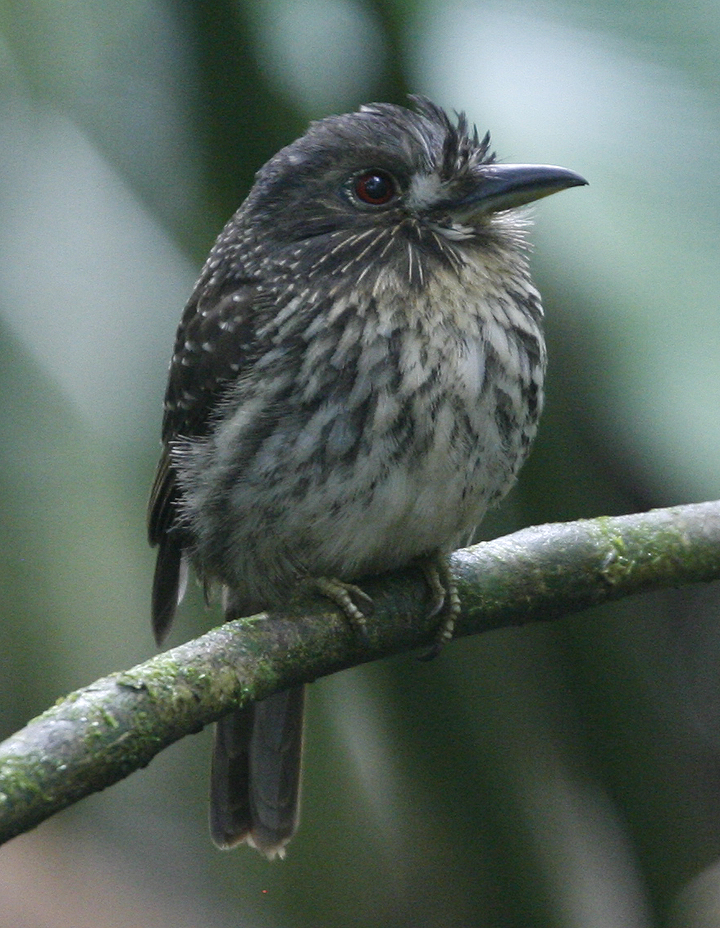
(446, 600)
(355, 603)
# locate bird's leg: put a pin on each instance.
(357, 605)
(446, 599)
(350, 598)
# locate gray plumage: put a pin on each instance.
(357, 376)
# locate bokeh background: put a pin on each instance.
(565, 775)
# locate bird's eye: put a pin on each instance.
(374, 187)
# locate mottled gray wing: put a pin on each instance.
(215, 342)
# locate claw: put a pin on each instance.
(446, 600)
(349, 598)
(357, 605)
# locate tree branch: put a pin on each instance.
(101, 733)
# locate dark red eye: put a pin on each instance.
(374, 187)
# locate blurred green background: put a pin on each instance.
(566, 775)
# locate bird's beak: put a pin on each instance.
(506, 186)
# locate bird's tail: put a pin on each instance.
(255, 782)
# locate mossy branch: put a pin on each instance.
(101, 733)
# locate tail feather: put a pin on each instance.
(255, 780)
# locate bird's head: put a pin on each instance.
(386, 181)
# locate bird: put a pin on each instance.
(356, 378)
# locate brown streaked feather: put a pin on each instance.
(211, 347)
(214, 343)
